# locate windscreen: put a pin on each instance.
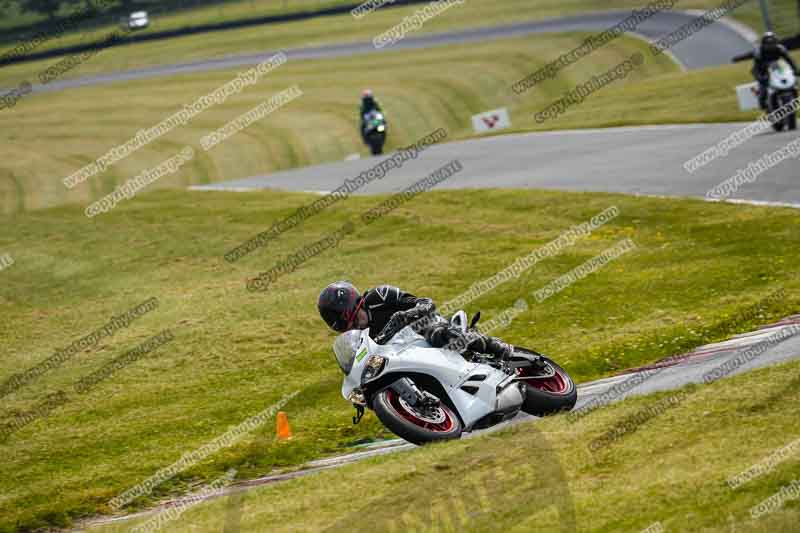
(345, 347)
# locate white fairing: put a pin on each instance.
(459, 320)
(408, 352)
(781, 76)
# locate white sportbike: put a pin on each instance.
(425, 394)
(782, 93)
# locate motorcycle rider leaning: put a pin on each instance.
(768, 52)
(385, 310)
(368, 103)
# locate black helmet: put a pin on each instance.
(769, 40)
(338, 305)
(367, 96)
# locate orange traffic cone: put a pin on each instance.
(282, 429)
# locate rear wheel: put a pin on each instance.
(375, 140)
(413, 423)
(376, 145)
(550, 389)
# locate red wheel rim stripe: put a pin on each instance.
(557, 384)
(444, 427)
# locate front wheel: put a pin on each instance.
(550, 389)
(780, 101)
(791, 119)
(413, 424)
(779, 125)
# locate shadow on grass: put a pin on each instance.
(460, 497)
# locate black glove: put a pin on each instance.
(421, 317)
(398, 321)
(444, 335)
(460, 340)
(423, 308)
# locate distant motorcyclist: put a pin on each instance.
(385, 310)
(769, 51)
(368, 104)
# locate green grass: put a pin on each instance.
(235, 352)
(698, 96)
(672, 470)
(321, 31)
(48, 137)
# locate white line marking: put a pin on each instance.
(744, 31)
(762, 203)
(625, 129)
(222, 188)
(738, 342)
(217, 188)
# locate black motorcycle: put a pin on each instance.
(374, 132)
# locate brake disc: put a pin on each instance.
(435, 416)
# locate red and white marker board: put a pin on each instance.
(496, 119)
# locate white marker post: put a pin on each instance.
(748, 96)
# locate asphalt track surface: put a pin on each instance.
(770, 345)
(715, 45)
(646, 160)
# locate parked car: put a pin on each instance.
(138, 20)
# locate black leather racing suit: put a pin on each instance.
(764, 57)
(390, 309)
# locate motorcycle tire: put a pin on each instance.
(412, 425)
(547, 395)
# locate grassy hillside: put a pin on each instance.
(235, 352)
(325, 30)
(542, 477)
(48, 137)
